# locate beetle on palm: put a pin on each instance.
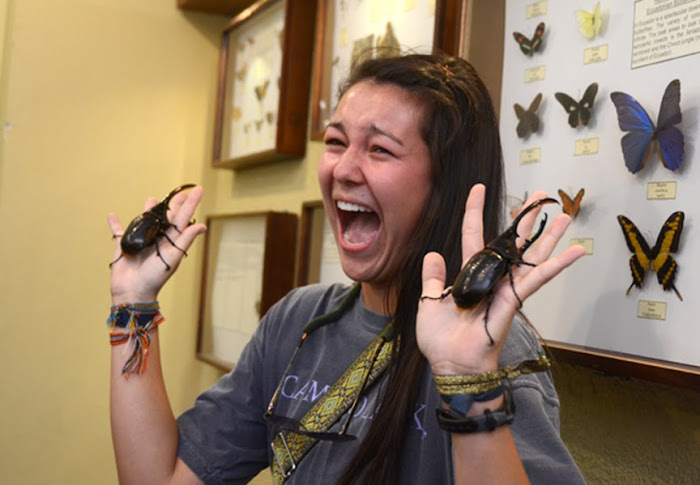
(147, 228)
(486, 268)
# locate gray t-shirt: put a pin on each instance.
(224, 438)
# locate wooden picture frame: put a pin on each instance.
(318, 260)
(263, 84)
(223, 7)
(333, 60)
(248, 266)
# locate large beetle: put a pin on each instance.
(485, 269)
(147, 228)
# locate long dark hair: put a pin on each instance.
(461, 131)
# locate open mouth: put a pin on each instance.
(359, 224)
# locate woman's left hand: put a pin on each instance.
(453, 339)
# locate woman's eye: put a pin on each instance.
(333, 141)
(381, 150)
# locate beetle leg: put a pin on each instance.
(486, 319)
(490, 300)
(167, 266)
(171, 242)
(444, 295)
(512, 285)
(120, 257)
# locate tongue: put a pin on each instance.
(362, 228)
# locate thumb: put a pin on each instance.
(433, 275)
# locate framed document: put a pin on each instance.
(248, 266)
(318, 254)
(263, 87)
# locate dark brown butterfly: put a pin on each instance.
(657, 258)
(261, 90)
(579, 111)
(571, 206)
(528, 121)
(530, 46)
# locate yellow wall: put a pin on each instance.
(105, 102)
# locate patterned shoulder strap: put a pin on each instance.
(289, 447)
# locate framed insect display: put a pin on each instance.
(622, 126)
(318, 260)
(349, 30)
(263, 85)
(248, 266)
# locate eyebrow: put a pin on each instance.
(373, 129)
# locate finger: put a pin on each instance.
(433, 275)
(189, 234)
(175, 248)
(524, 229)
(184, 207)
(114, 226)
(116, 229)
(544, 246)
(542, 273)
(473, 222)
(150, 202)
(178, 199)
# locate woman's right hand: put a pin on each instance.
(139, 277)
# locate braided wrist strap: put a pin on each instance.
(449, 385)
(130, 323)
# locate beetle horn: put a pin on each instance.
(534, 205)
(175, 191)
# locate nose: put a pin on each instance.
(348, 167)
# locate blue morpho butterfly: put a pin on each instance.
(643, 135)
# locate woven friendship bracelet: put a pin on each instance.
(132, 315)
(131, 324)
(451, 385)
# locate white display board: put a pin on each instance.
(641, 47)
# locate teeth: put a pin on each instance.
(347, 206)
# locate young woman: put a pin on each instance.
(411, 178)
